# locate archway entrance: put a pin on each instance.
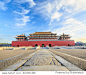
(68, 44)
(36, 45)
(43, 45)
(49, 45)
(17, 45)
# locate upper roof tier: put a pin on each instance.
(42, 33)
(21, 36)
(65, 35)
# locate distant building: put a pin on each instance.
(43, 39)
(80, 44)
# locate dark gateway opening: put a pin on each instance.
(17, 45)
(36, 45)
(43, 45)
(68, 44)
(49, 45)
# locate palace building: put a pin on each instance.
(42, 35)
(43, 39)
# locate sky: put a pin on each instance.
(29, 16)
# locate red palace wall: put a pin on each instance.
(33, 43)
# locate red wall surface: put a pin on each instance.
(33, 43)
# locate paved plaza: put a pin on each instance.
(42, 61)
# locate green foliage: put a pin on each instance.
(4, 43)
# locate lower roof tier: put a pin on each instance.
(47, 40)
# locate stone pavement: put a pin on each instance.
(42, 61)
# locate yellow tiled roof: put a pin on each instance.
(42, 33)
(20, 37)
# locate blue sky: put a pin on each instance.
(28, 16)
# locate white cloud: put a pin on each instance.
(3, 4)
(5, 40)
(10, 35)
(72, 5)
(79, 39)
(72, 27)
(60, 9)
(33, 22)
(56, 15)
(1, 34)
(24, 11)
(23, 19)
(7, 1)
(49, 11)
(80, 5)
(7, 25)
(31, 2)
(72, 21)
